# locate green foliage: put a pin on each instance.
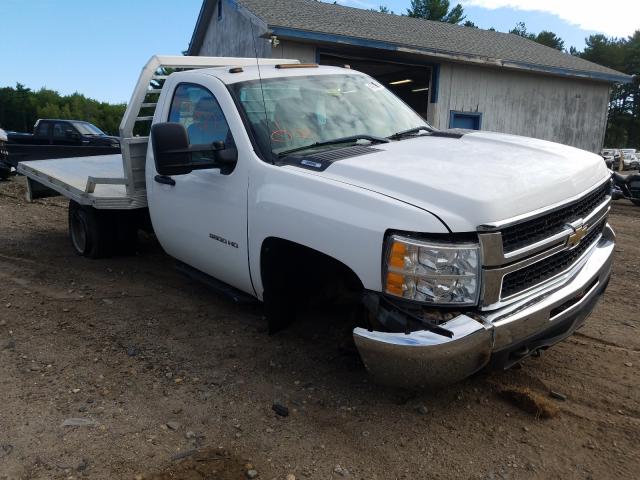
(545, 37)
(550, 39)
(521, 30)
(437, 10)
(622, 54)
(382, 9)
(20, 107)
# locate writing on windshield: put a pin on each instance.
(291, 112)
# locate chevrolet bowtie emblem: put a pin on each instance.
(576, 237)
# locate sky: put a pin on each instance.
(97, 48)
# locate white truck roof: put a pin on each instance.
(252, 72)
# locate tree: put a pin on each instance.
(381, 9)
(545, 37)
(623, 126)
(20, 107)
(437, 10)
(521, 30)
(550, 39)
(469, 23)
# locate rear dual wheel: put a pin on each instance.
(99, 234)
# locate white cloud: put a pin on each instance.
(618, 18)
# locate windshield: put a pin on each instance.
(301, 111)
(86, 128)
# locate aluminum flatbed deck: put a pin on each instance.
(97, 181)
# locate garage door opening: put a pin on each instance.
(412, 83)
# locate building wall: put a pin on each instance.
(304, 52)
(233, 35)
(569, 111)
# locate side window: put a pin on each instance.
(60, 129)
(197, 109)
(43, 129)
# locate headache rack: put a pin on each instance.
(118, 181)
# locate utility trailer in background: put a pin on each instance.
(117, 182)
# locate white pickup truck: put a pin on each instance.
(461, 249)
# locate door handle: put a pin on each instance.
(165, 180)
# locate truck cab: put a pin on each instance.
(69, 132)
(286, 181)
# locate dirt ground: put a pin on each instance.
(170, 381)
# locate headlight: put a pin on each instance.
(432, 272)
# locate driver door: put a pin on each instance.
(202, 219)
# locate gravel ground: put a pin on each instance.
(122, 368)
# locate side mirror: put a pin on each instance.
(172, 152)
(226, 157)
(170, 144)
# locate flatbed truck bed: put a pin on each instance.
(83, 180)
(117, 182)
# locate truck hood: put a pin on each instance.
(476, 179)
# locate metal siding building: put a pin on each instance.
(454, 76)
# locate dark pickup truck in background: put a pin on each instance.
(5, 168)
(53, 138)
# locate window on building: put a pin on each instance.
(466, 120)
(219, 10)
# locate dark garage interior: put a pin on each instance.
(412, 83)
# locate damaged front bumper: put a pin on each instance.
(501, 337)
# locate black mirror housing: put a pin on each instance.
(226, 158)
(170, 143)
(172, 152)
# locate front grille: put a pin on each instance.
(536, 229)
(536, 273)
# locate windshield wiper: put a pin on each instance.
(335, 141)
(411, 131)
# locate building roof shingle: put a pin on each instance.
(321, 21)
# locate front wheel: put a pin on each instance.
(90, 231)
(4, 173)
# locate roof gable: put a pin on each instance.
(318, 21)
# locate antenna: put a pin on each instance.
(264, 102)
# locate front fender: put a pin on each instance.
(345, 222)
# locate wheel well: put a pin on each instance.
(305, 275)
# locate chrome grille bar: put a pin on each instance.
(498, 263)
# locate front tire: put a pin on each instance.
(90, 231)
(4, 173)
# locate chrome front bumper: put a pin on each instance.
(503, 337)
